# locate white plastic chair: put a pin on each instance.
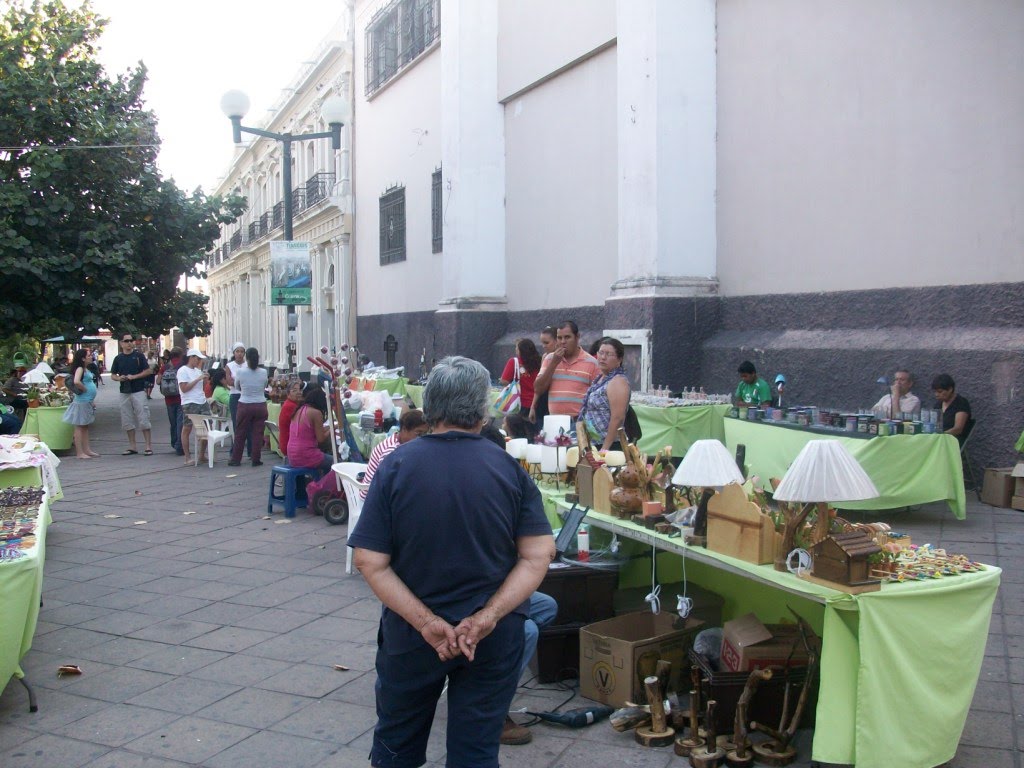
(348, 471)
(204, 429)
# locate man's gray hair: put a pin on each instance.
(458, 392)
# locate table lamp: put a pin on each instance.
(35, 376)
(823, 472)
(709, 465)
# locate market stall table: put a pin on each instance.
(21, 584)
(897, 675)
(48, 424)
(391, 386)
(679, 426)
(906, 469)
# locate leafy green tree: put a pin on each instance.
(91, 235)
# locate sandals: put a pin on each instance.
(147, 452)
(129, 452)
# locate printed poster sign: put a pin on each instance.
(291, 276)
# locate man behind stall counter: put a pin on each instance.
(900, 399)
(567, 373)
(752, 389)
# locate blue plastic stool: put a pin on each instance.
(292, 499)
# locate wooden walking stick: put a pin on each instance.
(710, 755)
(628, 718)
(658, 734)
(741, 756)
(777, 751)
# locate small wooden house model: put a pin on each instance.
(843, 558)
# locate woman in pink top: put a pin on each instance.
(307, 431)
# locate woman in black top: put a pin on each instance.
(956, 411)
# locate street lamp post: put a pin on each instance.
(235, 104)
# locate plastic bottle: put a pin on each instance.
(378, 420)
(583, 544)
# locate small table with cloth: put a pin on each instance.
(906, 469)
(21, 584)
(48, 424)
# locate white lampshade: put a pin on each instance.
(572, 457)
(825, 471)
(615, 459)
(234, 104)
(334, 110)
(552, 425)
(35, 376)
(707, 463)
(516, 447)
(533, 454)
(1018, 470)
(44, 367)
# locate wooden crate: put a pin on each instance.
(737, 527)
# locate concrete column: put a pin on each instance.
(666, 125)
(473, 157)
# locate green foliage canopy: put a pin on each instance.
(91, 235)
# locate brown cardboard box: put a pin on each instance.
(1018, 489)
(1017, 502)
(748, 644)
(997, 490)
(616, 654)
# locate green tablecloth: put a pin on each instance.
(394, 386)
(21, 583)
(1019, 447)
(46, 422)
(679, 427)
(366, 442)
(897, 672)
(906, 469)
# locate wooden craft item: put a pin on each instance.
(778, 751)
(737, 527)
(658, 733)
(822, 524)
(627, 499)
(653, 509)
(585, 484)
(710, 755)
(628, 718)
(639, 463)
(603, 485)
(795, 514)
(741, 755)
(693, 741)
(843, 558)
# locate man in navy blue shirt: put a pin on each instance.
(453, 540)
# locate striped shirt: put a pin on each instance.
(570, 383)
(377, 455)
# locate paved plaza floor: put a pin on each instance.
(208, 634)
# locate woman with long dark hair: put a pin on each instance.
(252, 408)
(82, 412)
(524, 365)
(307, 431)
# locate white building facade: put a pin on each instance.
(238, 269)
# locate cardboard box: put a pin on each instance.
(616, 654)
(1017, 502)
(998, 488)
(748, 644)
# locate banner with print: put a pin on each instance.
(291, 273)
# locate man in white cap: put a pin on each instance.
(193, 399)
(235, 364)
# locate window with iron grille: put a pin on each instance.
(392, 226)
(397, 35)
(436, 225)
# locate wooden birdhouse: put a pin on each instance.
(843, 558)
(737, 527)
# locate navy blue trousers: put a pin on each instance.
(479, 695)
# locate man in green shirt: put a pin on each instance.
(752, 390)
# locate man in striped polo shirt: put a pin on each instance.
(566, 373)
